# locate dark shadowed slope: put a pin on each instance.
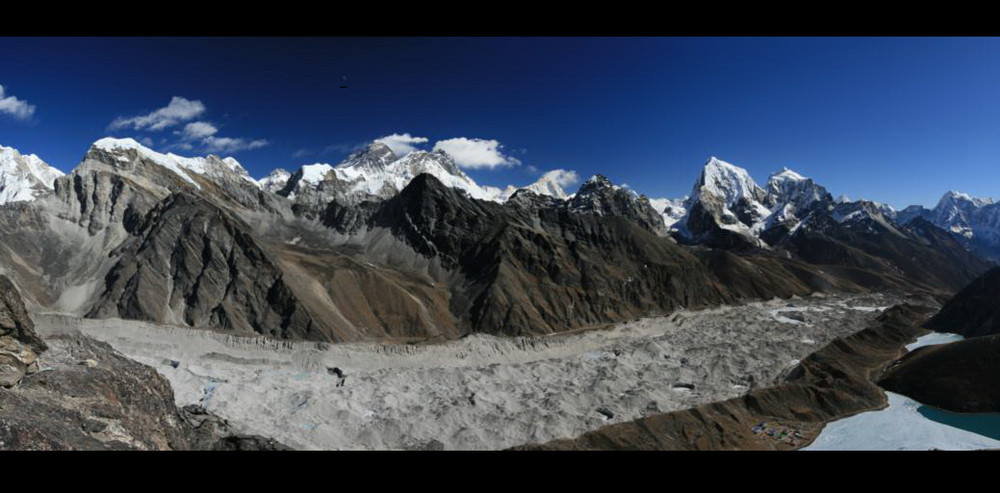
(962, 376)
(974, 311)
(192, 263)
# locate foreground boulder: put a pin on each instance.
(19, 344)
(14, 320)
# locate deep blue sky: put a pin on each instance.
(895, 120)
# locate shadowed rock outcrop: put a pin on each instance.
(14, 320)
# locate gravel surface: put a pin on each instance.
(482, 392)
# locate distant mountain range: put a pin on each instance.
(411, 248)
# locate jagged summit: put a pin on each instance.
(601, 197)
(952, 196)
(375, 172)
(373, 157)
(725, 207)
(786, 174)
(791, 197)
(726, 181)
(24, 177)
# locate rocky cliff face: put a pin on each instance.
(190, 263)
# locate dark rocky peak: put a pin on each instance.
(438, 220)
(529, 200)
(600, 197)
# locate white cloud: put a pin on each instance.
(17, 108)
(562, 177)
(194, 135)
(402, 144)
(179, 110)
(146, 141)
(197, 130)
(230, 145)
(475, 153)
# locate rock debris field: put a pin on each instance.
(482, 392)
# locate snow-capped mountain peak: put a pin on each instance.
(952, 198)
(373, 157)
(122, 151)
(786, 174)
(672, 210)
(551, 183)
(275, 180)
(24, 177)
(726, 181)
(376, 172)
(725, 200)
(315, 173)
(787, 187)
